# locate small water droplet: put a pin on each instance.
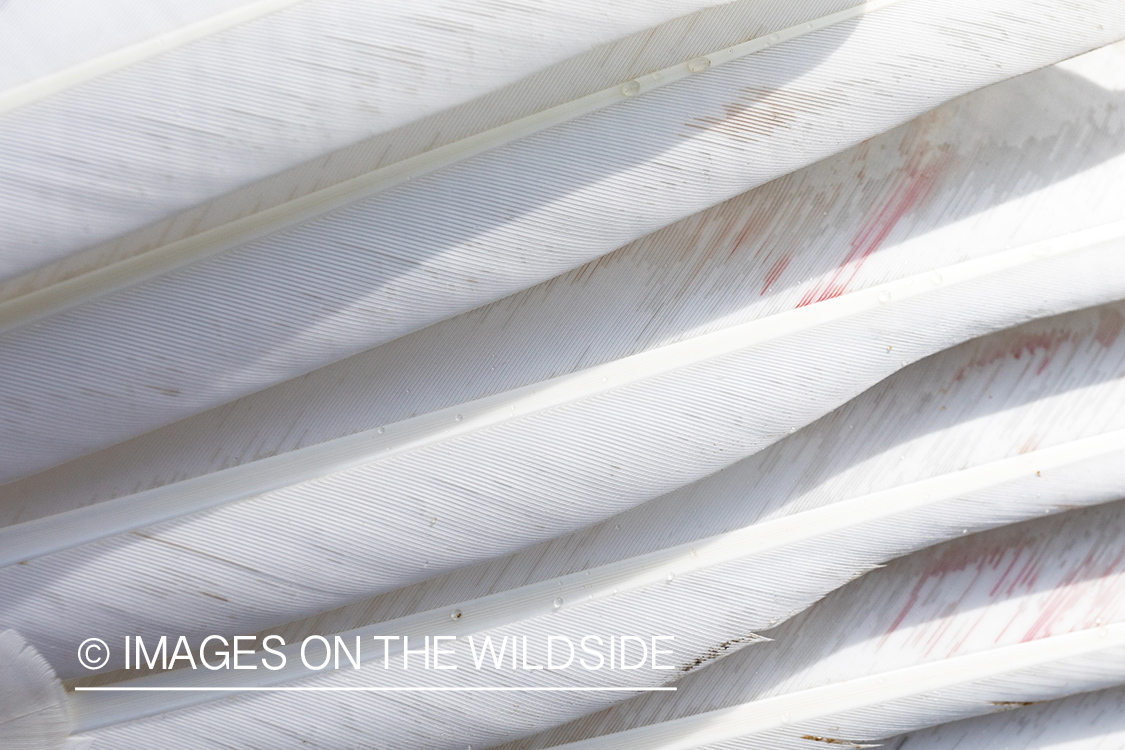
(699, 64)
(785, 718)
(455, 614)
(671, 577)
(615, 589)
(884, 296)
(964, 531)
(792, 430)
(631, 88)
(380, 430)
(458, 418)
(902, 363)
(694, 553)
(808, 27)
(774, 38)
(935, 278)
(605, 379)
(617, 527)
(558, 602)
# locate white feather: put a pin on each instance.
(996, 597)
(867, 708)
(858, 316)
(562, 452)
(575, 453)
(836, 651)
(752, 577)
(1092, 721)
(644, 331)
(232, 106)
(847, 223)
(33, 712)
(262, 312)
(497, 113)
(40, 42)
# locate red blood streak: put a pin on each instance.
(775, 272)
(912, 188)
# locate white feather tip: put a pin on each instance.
(33, 713)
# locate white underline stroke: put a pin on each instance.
(313, 689)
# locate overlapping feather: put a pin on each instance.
(901, 648)
(257, 601)
(133, 358)
(233, 549)
(906, 202)
(890, 628)
(553, 94)
(1091, 721)
(252, 89)
(446, 490)
(33, 711)
(715, 591)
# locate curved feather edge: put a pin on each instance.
(1010, 585)
(759, 587)
(501, 273)
(229, 547)
(1059, 546)
(33, 712)
(761, 238)
(873, 707)
(1090, 721)
(783, 571)
(450, 107)
(32, 539)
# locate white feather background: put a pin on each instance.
(858, 220)
(790, 329)
(1042, 581)
(747, 579)
(1091, 721)
(487, 226)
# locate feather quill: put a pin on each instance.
(509, 473)
(836, 642)
(312, 557)
(753, 577)
(772, 241)
(147, 354)
(349, 73)
(1092, 721)
(558, 90)
(994, 597)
